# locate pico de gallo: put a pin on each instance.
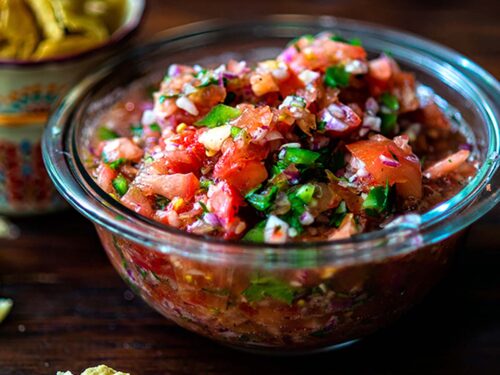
(320, 143)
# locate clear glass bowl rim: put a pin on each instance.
(62, 161)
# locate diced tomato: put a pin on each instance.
(346, 229)
(105, 177)
(207, 97)
(256, 120)
(386, 162)
(224, 201)
(403, 87)
(121, 148)
(138, 202)
(183, 153)
(323, 53)
(447, 165)
(263, 83)
(290, 85)
(241, 166)
(170, 186)
(433, 117)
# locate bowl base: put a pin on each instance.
(284, 353)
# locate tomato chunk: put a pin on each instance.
(224, 202)
(241, 166)
(386, 162)
(170, 186)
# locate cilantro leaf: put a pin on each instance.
(268, 287)
(106, 134)
(262, 201)
(378, 200)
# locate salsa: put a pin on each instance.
(320, 143)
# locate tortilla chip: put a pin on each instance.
(70, 45)
(47, 19)
(5, 307)
(18, 31)
(111, 12)
(70, 12)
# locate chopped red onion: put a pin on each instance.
(371, 106)
(338, 117)
(174, 70)
(412, 158)
(389, 162)
(372, 122)
(465, 146)
(211, 219)
(306, 218)
(228, 75)
(288, 54)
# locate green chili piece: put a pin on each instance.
(300, 156)
(219, 115)
(121, 185)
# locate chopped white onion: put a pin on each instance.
(213, 139)
(184, 103)
(357, 67)
(276, 230)
(148, 117)
(308, 76)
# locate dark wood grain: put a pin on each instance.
(72, 310)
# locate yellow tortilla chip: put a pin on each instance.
(69, 45)
(102, 370)
(5, 307)
(111, 12)
(18, 31)
(70, 12)
(47, 20)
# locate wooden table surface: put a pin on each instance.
(72, 310)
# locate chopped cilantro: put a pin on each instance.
(117, 163)
(106, 134)
(390, 101)
(205, 183)
(206, 78)
(136, 130)
(389, 121)
(352, 41)
(219, 115)
(378, 200)
(264, 200)
(338, 215)
(389, 112)
(336, 76)
(155, 127)
(162, 98)
(204, 207)
(161, 202)
(268, 287)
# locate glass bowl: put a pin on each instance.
(296, 297)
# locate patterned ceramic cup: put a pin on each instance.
(27, 92)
